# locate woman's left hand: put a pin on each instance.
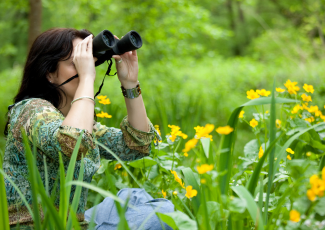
(127, 69)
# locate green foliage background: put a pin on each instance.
(198, 59)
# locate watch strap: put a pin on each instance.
(131, 93)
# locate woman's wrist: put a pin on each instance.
(129, 85)
(87, 80)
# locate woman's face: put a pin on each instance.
(66, 70)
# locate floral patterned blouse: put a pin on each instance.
(43, 124)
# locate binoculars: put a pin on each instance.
(105, 45)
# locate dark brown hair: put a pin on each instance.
(48, 49)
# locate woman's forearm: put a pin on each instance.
(137, 115)
(81, 113)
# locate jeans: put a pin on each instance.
(107, 218)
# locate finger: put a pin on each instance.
(76, 52)
(134, 52)
(84, 44)
(90, 45)
(117, 58)
(116, 37)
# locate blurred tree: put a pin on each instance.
(35, 20)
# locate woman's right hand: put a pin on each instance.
(83, 59)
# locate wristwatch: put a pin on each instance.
(131, 93)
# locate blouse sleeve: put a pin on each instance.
(128, 143)
(42, 123)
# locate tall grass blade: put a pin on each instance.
(271, 157)
(66, 192)
(96, 189)
(190, 180)
(226, 156)
(121, 162)
(32, 179)
(253, 180)
(4, 217)
(46, 176)
(64, 201)
(252, 208)
(76, 198)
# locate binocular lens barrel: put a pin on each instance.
(102, 42)
(105, 45)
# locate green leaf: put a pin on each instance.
(190, 180)
(214, 214)
(178, 220)
(252, 208)
(237, 205)
(282, 153)
(320, 207)
(251, 149)
(226, 157)
(206, 145)
(143, 163)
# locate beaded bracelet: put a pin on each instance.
(82, 98)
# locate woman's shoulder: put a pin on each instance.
(32, 106)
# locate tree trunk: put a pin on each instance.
(229, 5)
(35, 21)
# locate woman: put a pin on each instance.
(54, 116)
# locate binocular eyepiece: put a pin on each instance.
(105, 45)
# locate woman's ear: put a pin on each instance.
(49, 77)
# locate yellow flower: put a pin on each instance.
(186, 154)
(310, 119)
(291, 86)
(101, 97)
(253, 123)
(190, 192)
(308, 88)
(179, 180)
(260, 153)
(164, 193)
(103, 115)
(306, 98)
(189, 145)
(289, 157)
(175, 193)
(308, 154)
(313, 179)
(203, 181)
(117, 166)
(105, 101)
(204, 168)
(280, 90)
(204, 131)
(158, 130)
(318, 113)
(263, 92)
(294, 216)
(224, 130)
(318, 187)
(313, 109)
(296, 109)
(289, 150)
(311, 196)
(176, 132)
(241, 114)
(252, 94)
(278, 123)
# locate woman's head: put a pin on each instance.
(49, 64)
